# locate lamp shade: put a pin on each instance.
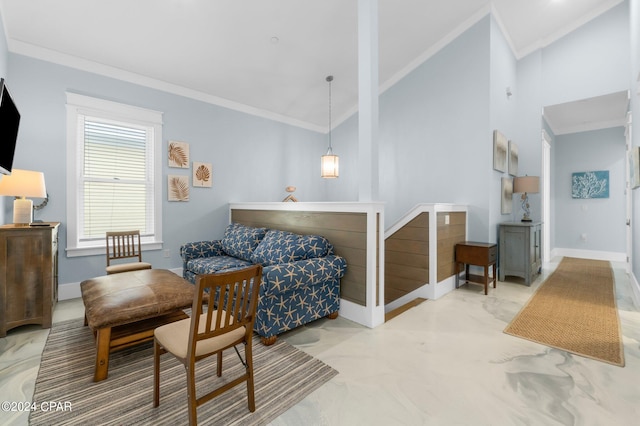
(23, 183)
(329, 167)
(528, 184)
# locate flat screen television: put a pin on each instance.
(9, 123)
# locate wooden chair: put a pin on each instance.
(232, 298)
(124, 245)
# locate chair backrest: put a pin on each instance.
(123, 245)
(231, 299)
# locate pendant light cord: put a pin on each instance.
(329, 80)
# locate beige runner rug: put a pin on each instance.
(575, 310)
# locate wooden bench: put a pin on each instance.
(124, 309)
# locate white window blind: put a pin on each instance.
(113, 173)
(116, 179)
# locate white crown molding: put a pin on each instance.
(443, 42)
(422, 58)
(503, 29)
(37, 52)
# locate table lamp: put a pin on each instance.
(22, 184)
(526, 185)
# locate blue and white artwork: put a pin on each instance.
(590, 184)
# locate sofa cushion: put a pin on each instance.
(210, 265)
(240, 240)
(284, 247)
(286, 277)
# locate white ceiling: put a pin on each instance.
(268, 57)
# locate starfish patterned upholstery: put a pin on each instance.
(301, 274)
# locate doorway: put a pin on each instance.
(561, 237)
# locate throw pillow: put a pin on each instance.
(240, 240)
(284, 247)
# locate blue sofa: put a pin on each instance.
(300, 280)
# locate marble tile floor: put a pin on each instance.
(444, 362)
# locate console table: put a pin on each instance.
(478, 254)
(28, 275)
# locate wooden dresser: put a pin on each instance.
(28, 275)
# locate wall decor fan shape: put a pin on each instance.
(202, 175)
(178, 188)
(178, 154)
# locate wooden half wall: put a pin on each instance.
(420, 253)
(354, 230)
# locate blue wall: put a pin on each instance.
(591, 61)
(602, 219)
(594, 60)
(434, 132)
(253, 158)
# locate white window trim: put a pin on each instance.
(85, 105)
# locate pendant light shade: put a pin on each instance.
(329, 166)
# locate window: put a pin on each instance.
(113, 159)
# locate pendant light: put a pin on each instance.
(329, 163)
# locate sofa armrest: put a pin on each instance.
(199, 249)
(284, 277)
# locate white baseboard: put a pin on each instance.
(590, 254)
(69, 291)
(360, 314)
(72, 290)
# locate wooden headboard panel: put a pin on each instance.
(347, 232)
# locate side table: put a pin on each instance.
(479, 254)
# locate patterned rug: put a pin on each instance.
(575, 310)
(283, 375)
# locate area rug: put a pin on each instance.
(575, 310)
(283, 375)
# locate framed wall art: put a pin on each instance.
(178, 188)
(513, 158)
(500, 147)
(202, 175)
(506, 199)
(178, 154)
(590, 184)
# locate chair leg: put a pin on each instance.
(156, 373)
(191, 393)
(219, 364)
(248, 354)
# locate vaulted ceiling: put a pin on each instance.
(268, 57)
